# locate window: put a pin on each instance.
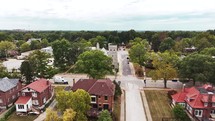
(93, 99)
(99, 96)
(20, 106)
(205, 104)
(44, 100)
(212, 111)
(182, 104)
(35, 102)
(1, 101)
(106, 97)
(189, 108)
(198, 113)
(213, 104)
(13, 97)
(34, 94)
(23, 94)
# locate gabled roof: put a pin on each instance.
(103, 87)
(84, 84)
(7, 84)
(179, 97)
(39, 85)
(23, 100)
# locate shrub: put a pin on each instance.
(180, 114)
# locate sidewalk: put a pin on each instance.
(146, 106)
(122, 111)
(42, 116)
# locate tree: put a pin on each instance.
(166, 44)
(61, 53)
(94, 63)
(137, 53)
(79, 101)
(51, 115)
(35, 44)
(208, 51)
(179, 113)
(19, 43)
(165, 66)
(98, 39)
(25, 47)
(44, 43)
(118, 90)
(198, 67)
(69, 115)
(39, 62)
(104, 116)
(26, 71)
(5, 46)
(3, 71)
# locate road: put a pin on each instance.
(131, 85)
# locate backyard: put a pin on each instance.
(14, 117)
(158, 104)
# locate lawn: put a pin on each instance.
(158, 104)
(14, 117)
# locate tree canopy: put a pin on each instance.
(198, 67)
(94, 63)
(165, 66)
(104, 116)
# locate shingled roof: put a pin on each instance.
(7, 84)
(103, 87)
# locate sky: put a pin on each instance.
(107, 14)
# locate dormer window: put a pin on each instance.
(205, 104)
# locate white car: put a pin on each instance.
(59, 80)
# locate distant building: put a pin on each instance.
(199, 102)
(48, 50)
(9, 91)
(112, 52)
(32, 39)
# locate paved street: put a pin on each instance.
(131, 85)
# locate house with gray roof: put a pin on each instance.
(9, 91)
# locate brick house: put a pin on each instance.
(9, 91)
(199, 102)
(101, 92)
(38, 92)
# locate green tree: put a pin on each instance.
(118, 90)
(26, 71)
(98, 39)
(25, 47)
(166, 44)
(165, 66)
(61, 53)
(79, 101)
(39, 62)
(35, 44)
(94, 63)
(198, 67)
(3, 71)
(138, 53)
(19, 43)
(44, 43)
(179, 113)
(104, 116)
(208, 51)
(51, 115)
(69, 115)
(5, 46)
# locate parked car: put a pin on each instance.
(59, 80)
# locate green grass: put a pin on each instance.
(14, 117)
(158, 104)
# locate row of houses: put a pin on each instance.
(35, 96)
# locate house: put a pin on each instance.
(47, 50)
(101, 92)
(35, 95)
(33, 39)
(199, 102)
(9, 92)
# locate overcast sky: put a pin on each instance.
(107, 14)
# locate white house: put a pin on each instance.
(48, 50)
(23, 104)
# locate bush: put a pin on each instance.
(118, 90)
(10, 111)
(171, 92)
(180, 114)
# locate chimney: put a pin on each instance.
(73, 82)
(183, 88)
(47, 82)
